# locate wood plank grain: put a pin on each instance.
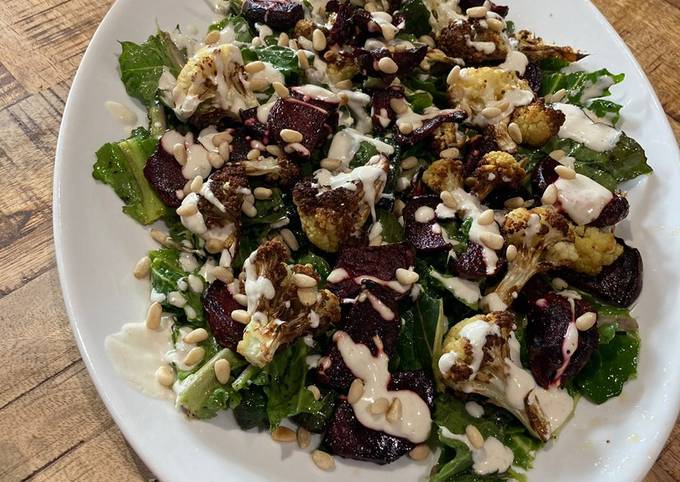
(667, 467)
(41, 42)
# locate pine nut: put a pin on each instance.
(316, 393)
(304, 437)
(558, 154)
(559, 284)
(290, 136)
(253, 154)
(586, 321)
(254, 67)
(274, 150)
(249, 209)
(180, 154)
(344, 84)
(379, 406)
(486, 218)
(165, 375)
(454, 75)
(212, 37)
(427, 40)
(289, 239)
(319, 40)
(407, 276)
(215, 160)
(495, 24)
(280, 89)
(221, 138)
(491, 240)
(196, 184)
(511, 252)
(476, 12)
(387, 65)
(515, 132)
(549, 195)
(323, 460)
(159, 236)
(224, 150)
(450, 153)
(405, 128)
(258, 85)
(223, 274)
(222, 371)
(307, 296)
(283, 435)
(153, 316)
(399, 105)
(474, 436)
(514, 202)
(409, 163)
(186, 210)
(565, 172)
(241, 299)
(448, 199)
(399, 206)
(491, 112)
(304, 281)
(241, 316)
(330, 164)
(262, 193)
(283, 39)
(196, 336)
(356, 391)
(214, 245)
(394, 412)
(419, 452)
(302, 59)
(194, 356)
(558, 96)
(142, 268)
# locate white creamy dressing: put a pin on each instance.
(197, 162)
(513, 98)
(443, 13)
(417, 120)
(317, 92)
(256, 286)
(415, 421)
(170, 139)
(596, 89)
(515, 61)
(384, 21)
(392, 284)
(492, 457)
(465, 290)
(468, 206)
(188, 262)
(136, 352)
(476, 333)
(582, 198)
(424, 214)
(269, 74)
(194, 223)
(580, 128)
(485, 47)
(360, 118)
(337, 275)
(205, 138)
(346, 143)
(380, 307)
(493, 302)
(122, 114)
(207, 193)
(474, 409)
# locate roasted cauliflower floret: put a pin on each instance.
(537, 123)
(304, 28)
(535, 49)
(481, 355)
(444, 175)
(596, 248)
(335, 206)
(471, 42)
(212, 85)
(494, 170)
(275, 169)
(340, 66)
(447, 136)
(284, 303)
(476, 89)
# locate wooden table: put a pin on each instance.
(53, 426)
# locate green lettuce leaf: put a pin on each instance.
(121, 166)
(141, 65)
(282, 58)
(252, 411)
(320, 265)
(242, 30)
(420, 100)
(417, 18)
(392, 231)
(363, 155)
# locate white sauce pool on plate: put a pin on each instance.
(582, 198)
(415, 420)
(580, 128)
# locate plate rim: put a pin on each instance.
(160, 470)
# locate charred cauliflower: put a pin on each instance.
(537, 123)
(494, 170)
(275, 169)
(473, 43)
(334, 207)
(444, 175)
(596, 248)
(284, 303)
(535, 49)
(447, 136)
(481, 355)
(212, 85)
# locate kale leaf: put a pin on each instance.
(417, 18)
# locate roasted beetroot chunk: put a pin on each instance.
(382, 113)
(218, 304)
(362, 322)
(165, 176)
(476, 148)
(240, 145)
(614, 212)
(619, 283)
(252, 124)
(533, 75)
(406, 61)
(330, 105)
(548, 320)
(544, 175)
(471, 265)
(348, 438)
(428, 127)
(373, 262)
(350, 25)
(426, 237)
(309, 120)
(278, 14)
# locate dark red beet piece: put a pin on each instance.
(382, 113)
(421, 235)
(362, 322)
(240, 145)
(415, 381)
(619, 283)
(379, 262)
(544, 175)
(471, 265)
(278, 14)
(548, 320)
(348, 438)
(218, 304)
(309, 120)
(253, 125)
(406, 60)
(499, 9)
(476, 148)
(329, 105)
(614, 212)
(533, 75)
(350, 25)
(428, 128)
(165, 176)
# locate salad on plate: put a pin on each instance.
(391, 224)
